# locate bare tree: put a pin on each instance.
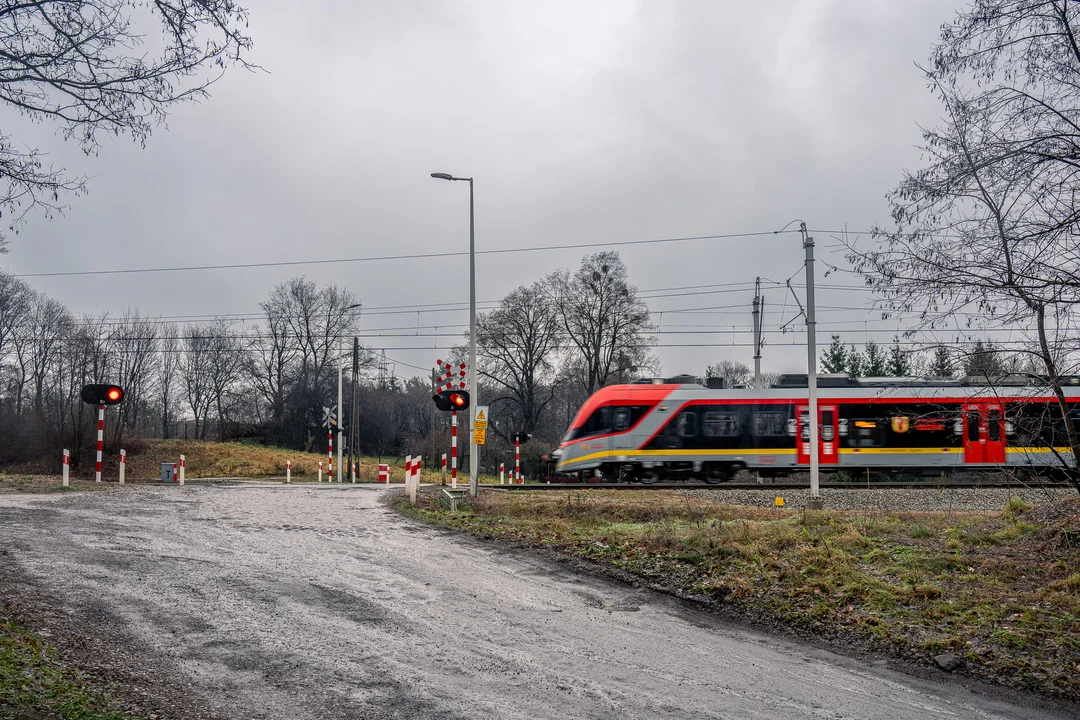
(195, 369)
(732, 372)
(226, 361)
(131, 345)
(986, 231)
(15, 296)
(85, 65)
(168, 366)
(518, 343)
(273, 360)
(607, 326)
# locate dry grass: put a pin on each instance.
(1001, 590)
(204, 460)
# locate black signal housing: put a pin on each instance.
(102, 394)
(448, 400)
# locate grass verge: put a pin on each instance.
(36, 683)
(999, 590)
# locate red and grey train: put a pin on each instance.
(679, 428)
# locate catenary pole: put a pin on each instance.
(757, 333)
(811, 369)
(340, 407)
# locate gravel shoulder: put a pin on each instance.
(323, 603)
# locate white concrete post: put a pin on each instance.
(67, 465)
(353, 473)
(408, 469)
(502, 472)
(123, 464)
(183, 462)
(320, 471)
(288, 472)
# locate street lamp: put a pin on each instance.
(474, 457)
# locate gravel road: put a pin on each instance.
(308, 602)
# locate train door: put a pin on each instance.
(984, 433)
(828, 443)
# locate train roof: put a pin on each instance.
(842, 386)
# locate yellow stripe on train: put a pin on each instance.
(791, 451)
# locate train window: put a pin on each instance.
(995, 424)
(769, 424)
(973, 425)
(721, 424)
(622, 418)
(687, 424)
(865, 432)
(827, 425)
(597, 424)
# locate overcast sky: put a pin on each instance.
(581, 122)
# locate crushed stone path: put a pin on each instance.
(293, 602)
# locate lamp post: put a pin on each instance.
(474, 456)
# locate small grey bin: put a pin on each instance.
(167, 472)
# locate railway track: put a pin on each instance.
(935, 485)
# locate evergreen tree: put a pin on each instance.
(899, 363)
(941, 364)
(875, 364)
(856, 363)
(983, 360)
(835, 359)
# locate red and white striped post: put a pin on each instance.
(353, 473)
(123, 464)
(330, 453)
(288, 472)
(100, 439)
(408, 470)
(384, 473)
(453, 449)
(175, 474)
(444, 468)
(517, 461)
(183, 464)
(320, 471)
(502, 473)
(67, 466)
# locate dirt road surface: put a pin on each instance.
(307, 602)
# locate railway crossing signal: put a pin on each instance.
(102, 394)
(521, 437)
(448, 400)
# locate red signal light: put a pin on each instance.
(457, 399)
(114, 394)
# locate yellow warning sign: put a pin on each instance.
(479, 436)
(480, 421)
